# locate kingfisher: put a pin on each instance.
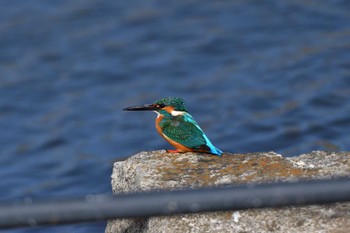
(178, 127)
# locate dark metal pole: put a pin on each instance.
(103, 207)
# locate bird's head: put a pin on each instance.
(172, 105)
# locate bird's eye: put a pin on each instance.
(160, 105)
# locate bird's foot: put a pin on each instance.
(173, 151)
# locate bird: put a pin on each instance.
(178, 127)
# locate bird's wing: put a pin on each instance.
(184, 130)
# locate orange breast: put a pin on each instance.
(177, 145)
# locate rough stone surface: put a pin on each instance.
(160, 170)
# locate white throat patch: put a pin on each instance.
(158, 114)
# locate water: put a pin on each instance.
(257, 76)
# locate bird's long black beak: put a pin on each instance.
(146, 107)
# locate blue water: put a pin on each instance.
(256, 75)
